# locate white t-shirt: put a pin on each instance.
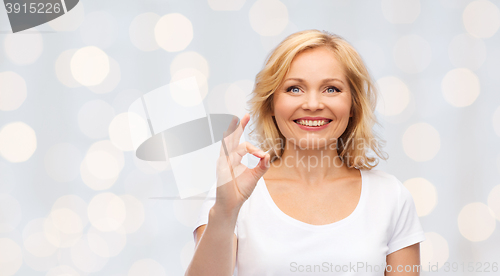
(272, 243)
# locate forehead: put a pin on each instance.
(316, 63)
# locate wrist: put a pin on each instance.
(224, 215)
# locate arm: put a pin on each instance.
(216, 245)
(400, 261)
(215, 252)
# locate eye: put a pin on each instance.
(293, 89)
(332, 89)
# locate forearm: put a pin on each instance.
(214, 253)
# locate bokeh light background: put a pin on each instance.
(74, 200)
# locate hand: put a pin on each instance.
(235, 181)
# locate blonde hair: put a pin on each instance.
(358, 136)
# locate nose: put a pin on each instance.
(313, 101)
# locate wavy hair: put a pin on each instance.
(358, 138)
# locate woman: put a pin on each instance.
(318, 207)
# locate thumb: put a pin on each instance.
(262, 166)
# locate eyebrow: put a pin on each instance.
(324, 81)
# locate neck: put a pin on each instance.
(310, 166)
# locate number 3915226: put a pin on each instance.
(34, 8)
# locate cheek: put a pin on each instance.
(283, 108)
(341, 109)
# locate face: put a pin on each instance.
(315, 86)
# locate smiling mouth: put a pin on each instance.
(312, 123)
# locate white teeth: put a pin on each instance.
(311, 123)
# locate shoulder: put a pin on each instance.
(387, 186)
(383, 179)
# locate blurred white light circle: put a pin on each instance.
(394, 96)
(423, 193)
(57, 237)
(111, 81)
(268, 17)
(94, 118)
(270, 42)
(63, 68)
(11, 257)
(90, 65)
(98, 29)
(39, 254)
(73, 203)
(401, 11)
(12, 91)
(135, 213)
(17, 142)
(421, 142)
(119, 131)
(106, 244)
(237, 95)
(38, 245)
(467, 51)
(496, 121)
(62, 162)
(481, 18)
(141, 31)
(25, 48)
(148, 267)
(85, 259)
(190, 59)
(412, 54)
(64, 225)
(494, 201)
(70, 21)
(434, 250)
(476, 222)
(173, 32)
(102, 165)
(66, 221)
(107, 146)
(188, 87)
(460, 87)
(106, 212)
(62, 270)
(10, 213)
(93, 181)
(226, 5)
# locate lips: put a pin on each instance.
(327, 121)
(313, 119)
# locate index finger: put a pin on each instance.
(228, 142)
(241, 126)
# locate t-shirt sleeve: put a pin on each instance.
(205, 209)
(407, 229)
